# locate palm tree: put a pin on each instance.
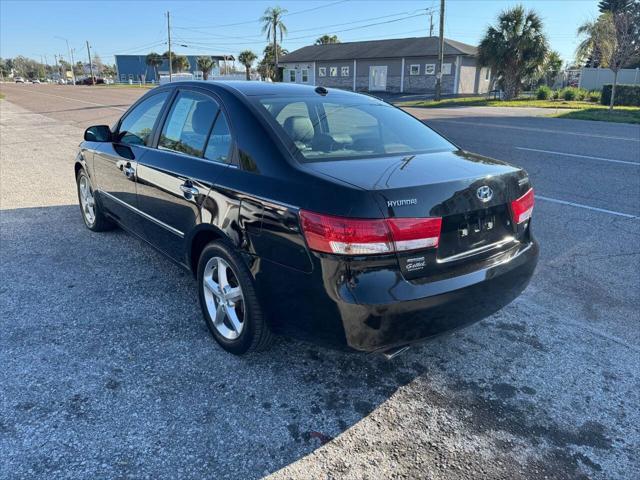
(205, 64)
(154, 60)
(246, 58)
(271, 24)
(514, 49)
(326, 39)
(595, 48)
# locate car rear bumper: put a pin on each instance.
(390, 311)
(369, 306)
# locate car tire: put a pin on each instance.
(92, 214)
(229, 302)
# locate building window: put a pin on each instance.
(344, 71)
(333, 71)
(430, 69)
(446, 69)
(322, 71)
(487, 74)
(123, 77)
(305, 75)
(131, 76)
(292, 76)
(414, 70)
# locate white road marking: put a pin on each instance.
(80, 101)
(580, 205)
(579, 156)
(532, 129)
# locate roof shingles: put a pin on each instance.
(391, 48)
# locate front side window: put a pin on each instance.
(292, 76)
(347, 128)
(188, 124)
(322, 71)
(344, 71)
(446, 69)
(487, 73)
(414, 70)
(136, 127)
(333, 71)
(305, 75)
(430, 69)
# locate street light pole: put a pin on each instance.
(169, 42)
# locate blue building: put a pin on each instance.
(134, 67)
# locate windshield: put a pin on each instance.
(324, 128)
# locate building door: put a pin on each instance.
(377, 78)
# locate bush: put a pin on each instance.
(625, 95)
(594, 96)
(556, 94)
(543, 93)
(573, 93)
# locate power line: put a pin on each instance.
(313, 34)
(257, 20)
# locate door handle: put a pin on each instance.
(189, 190)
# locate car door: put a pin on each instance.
(193, 150)
(115, 163)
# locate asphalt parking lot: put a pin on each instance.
(109, 370)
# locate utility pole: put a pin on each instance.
(93, 80)
(169, 42)
(55, 58)
(440, 53)
(73, 65)
(431, 24)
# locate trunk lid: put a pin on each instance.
(442, 184)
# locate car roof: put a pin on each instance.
(259, 89)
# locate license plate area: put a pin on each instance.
(463, 232)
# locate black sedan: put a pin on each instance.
(317, 213)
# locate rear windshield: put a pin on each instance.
(342, 128)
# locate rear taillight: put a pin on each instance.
(351, 236)
(522, 207)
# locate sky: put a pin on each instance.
(38, 29)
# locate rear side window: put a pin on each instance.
(136, 127)
(188, 123)
(219, 142)
(348, 127)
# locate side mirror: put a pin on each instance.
(98, 133)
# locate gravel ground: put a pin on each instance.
(110, 372)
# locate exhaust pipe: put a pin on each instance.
(394, 352)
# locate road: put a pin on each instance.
(109, 371)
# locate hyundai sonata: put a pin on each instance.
(317, 213)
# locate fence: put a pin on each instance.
(595, 78)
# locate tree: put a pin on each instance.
(247, 57)
(551, 67)
(154, 60)
(514, 49)
(205, 64)
(595, 48)
(271, 25)
(614, 5)
(266, 67)
(624, 42)
(327, 39)
(178, 62)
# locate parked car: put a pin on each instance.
(61, 81)
(312, 212)
(35, 80)
(88, 81)
(18, 80)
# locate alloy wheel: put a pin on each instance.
(87, 201)
(223, 297)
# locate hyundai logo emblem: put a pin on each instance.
(484, 193)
